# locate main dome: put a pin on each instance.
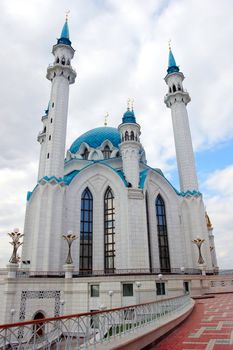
(95, 137)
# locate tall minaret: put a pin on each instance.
(130, 147)
(177, 99)
(53, 136)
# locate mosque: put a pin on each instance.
(124, 222)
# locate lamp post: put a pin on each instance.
(182, 269)
(110, 293)
(15, 236)
(70, 237)
(198, 242)
(138, 284)
(160, 277)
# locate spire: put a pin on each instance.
(172, 67)
(65, 36)
(129, 116)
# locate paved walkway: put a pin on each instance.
(210, 327)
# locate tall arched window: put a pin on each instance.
(109, 232)
(106, 152)
(162, 235)
(86, 229)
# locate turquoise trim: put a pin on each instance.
(172, 67)
(28, 195)
(48, 179)
(69, 177)
(143, 176)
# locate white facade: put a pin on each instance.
(106, 158)
(126, 216)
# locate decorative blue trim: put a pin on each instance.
(28, 195)
(48, 179)
(143, 176)
(69, 177)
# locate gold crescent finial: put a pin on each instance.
(128, 104)
(67, 14)
(169, 44)
(106, 119)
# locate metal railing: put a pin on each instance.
(26, 273)
(85, 330)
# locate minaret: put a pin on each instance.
(177, 99)
(130, 147)
(53, 136)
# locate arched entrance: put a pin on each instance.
(38, 328)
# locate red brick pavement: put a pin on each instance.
(209, 327)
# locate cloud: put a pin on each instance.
(219, 201)
(121, 52)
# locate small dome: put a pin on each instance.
(95, 137)
(129, 117)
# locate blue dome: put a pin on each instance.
(95, 137)
(129, 117)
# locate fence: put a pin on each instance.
(85, 330)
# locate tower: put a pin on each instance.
(177, 99)
(130, 147)
(44, 220)
(53, 137)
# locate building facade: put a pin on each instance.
(126, 216)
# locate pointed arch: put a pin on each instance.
(39, 328)
(85, 153)
(148, 230)
(131, 135)
(174, 88)
(86, 232)
(106, 152)
(109, 231)
(126, 136)
(164, 256)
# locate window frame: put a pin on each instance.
(130, 293)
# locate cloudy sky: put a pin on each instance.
(121, 52)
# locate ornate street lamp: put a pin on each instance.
(198, 242)
(69, 239)
(138, 284)
(15, 236)
(110, 293)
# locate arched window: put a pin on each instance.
(170, 90)
(57, 61)
(39, 328)
(85, 154)
(148, 230)
(162, 235)
(174, 88)
(109, 232)
(179, 88)
(86, 229)
(132, 135)
(63, 61)
(126, 136)
(107, 152)
(68, 62)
